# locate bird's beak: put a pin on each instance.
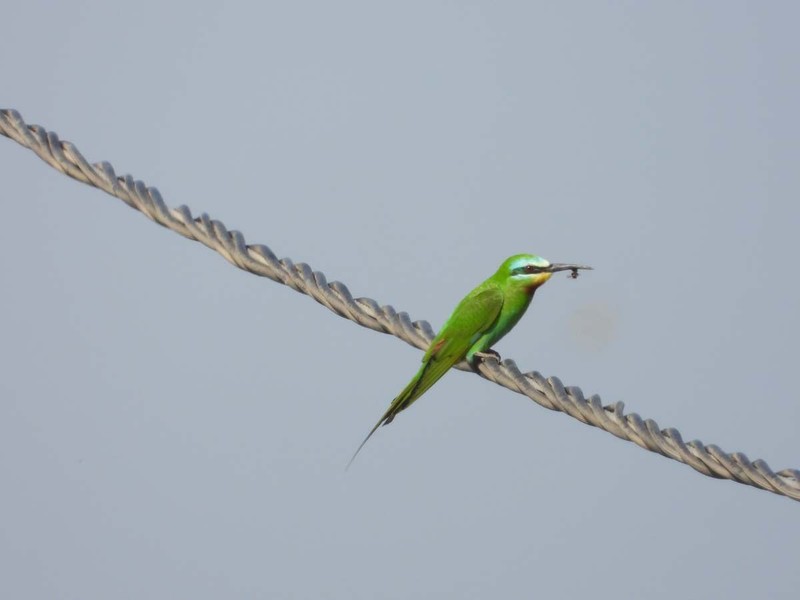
(566, 267)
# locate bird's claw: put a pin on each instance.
(480, 357)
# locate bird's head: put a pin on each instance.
(529, 271)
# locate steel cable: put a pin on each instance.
(260, 260)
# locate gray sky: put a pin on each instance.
(173, 427)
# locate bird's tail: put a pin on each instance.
(369, 435)
(411, 392)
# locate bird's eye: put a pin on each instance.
(531, 269)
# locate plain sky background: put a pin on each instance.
(171, 427)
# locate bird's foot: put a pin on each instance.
(480, 357)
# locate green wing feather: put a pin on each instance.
(474, 315)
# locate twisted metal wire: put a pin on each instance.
(258, 259)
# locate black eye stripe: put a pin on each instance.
(528, 270)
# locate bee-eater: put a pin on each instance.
(484, 316)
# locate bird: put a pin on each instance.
(484, 316)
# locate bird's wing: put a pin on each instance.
(474, 315)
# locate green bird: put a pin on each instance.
(484, 316)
